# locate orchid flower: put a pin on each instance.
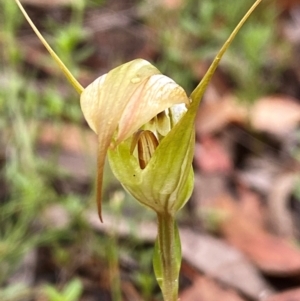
(145, 125)
(133, 109)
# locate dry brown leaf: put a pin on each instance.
(280, 217)
(210, 255)
(273, 255)
(288, 4)
(210, 155)
(222, 262)
(291, 295)
(250, 204)
(206, 289)
(69, 137)
(75, 148)
(208, 187)
(214, 116)
(171, 4)
(259, 172)
(276, 115)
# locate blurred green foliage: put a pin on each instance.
(195, 33)
(71, 291)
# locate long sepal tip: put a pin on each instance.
(73, 81)
(197, 94)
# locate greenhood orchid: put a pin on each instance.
(145, 126)
(146, 106)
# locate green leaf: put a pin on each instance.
(73, 290)
(53, 294)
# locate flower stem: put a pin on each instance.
(167, 256)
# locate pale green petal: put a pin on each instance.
(169, 172)
(163, 123)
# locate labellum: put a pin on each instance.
(146, 143)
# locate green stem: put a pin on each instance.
(167, 256)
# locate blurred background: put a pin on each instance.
(240, 230)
